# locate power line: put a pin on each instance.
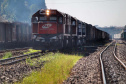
(81, 2)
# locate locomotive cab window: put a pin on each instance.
(42, 18)
(60, 20)
(53, 18)
(35, 19)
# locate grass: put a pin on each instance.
(118, 44)
(7, 55)
(35, 62)
(31, 51)
(55, 71)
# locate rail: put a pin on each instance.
(102, 66)
(117, 57)
(7, 50)
(16, 59)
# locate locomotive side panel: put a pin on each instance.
(34, 28)
(60, 25)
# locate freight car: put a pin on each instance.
(14, 35)
(123, 34)
(53, 29)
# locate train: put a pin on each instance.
(15, 35)
(52, 29)
(123, 34)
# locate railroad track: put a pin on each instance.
(113, 69)
(14, 52)
(124, 42)
(20, 58)
(16, 49)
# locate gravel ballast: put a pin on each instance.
(87, 70)
(114, 72)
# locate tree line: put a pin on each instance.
(20, 10)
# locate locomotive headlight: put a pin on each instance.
(47, 12)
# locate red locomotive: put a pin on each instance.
(53, 30)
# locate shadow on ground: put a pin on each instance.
(84, 50)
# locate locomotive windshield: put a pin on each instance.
(42, 18)
(53, 18)
(35, 19)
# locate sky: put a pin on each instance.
(95, 12)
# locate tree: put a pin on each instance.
(20, 10)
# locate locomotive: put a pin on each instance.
(52, 29)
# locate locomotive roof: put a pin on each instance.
(38, 12)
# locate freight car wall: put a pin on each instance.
(2, 32)
(14, 35)
(123, 35)
(8, 32)
(88, 32)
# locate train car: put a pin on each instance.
(123, 34)
(2, 35)
(2, 32)
(68, 32)
(74, 31)
(14, 35)
(88, 32)
(93, 28)
(81, 33)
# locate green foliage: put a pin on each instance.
(31, 51)
(20, 10)
(111, 30)
(31, 62)
(45, 58)
(7, 55)
(55, 71)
